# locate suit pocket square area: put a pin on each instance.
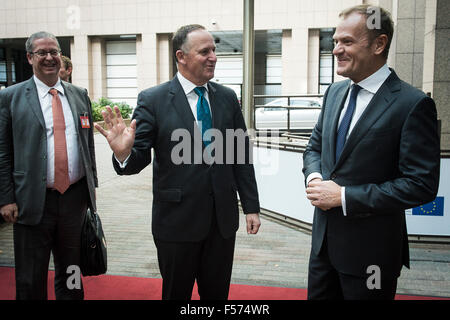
(168, 195)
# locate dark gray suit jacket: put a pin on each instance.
(186, 195)
(23, 147)
(389, 163)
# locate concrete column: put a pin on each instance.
(80, 50)
(313, 60)
(146, 51)
(295, 65)
(410, 41)
(286, 53)
(436, 71)
(164, 58)
(98, 68)
(430, 46)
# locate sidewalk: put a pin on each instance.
(276, 256)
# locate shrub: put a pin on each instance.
(97, 107)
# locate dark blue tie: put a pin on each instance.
(203, 114)
(346, 120)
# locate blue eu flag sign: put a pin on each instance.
(434, 208)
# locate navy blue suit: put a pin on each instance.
(191, 201)
(390, 162)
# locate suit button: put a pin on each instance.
(44, 178)
(333, 176)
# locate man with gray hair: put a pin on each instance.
(47, 171)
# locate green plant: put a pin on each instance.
(98, 106)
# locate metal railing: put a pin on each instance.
(288, 107)
(288, 133)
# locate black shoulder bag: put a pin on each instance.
(93, 246)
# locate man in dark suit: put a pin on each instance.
(373, 153)
(47, 171)
(195, 210)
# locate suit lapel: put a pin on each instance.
(384, 97)
(179, 102)
(33, 100)
(73, 105)
(215, 109)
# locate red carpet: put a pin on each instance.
(108, 287)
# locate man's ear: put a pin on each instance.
(69, 71)
(29, 57)
(380, 44)
(180, 56)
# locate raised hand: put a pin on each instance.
(120, 137)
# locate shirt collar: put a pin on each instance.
(187, 85)
(373, 82)
(43, 89)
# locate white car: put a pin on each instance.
(271, 116)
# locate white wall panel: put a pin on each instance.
(228, 70)
(273, 69)
(118, 93)
(121, 47)
(122, 82)
(121, 59)
(121, 71)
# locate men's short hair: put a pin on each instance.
(67, 62)
(29, 46)
(386, 25)
(180, 37)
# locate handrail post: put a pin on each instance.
(289, 115)
(248, 61)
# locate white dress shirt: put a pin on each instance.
(370, 86)
(192, 98)
(76, 169)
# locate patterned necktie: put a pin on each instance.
(346, 120)
(203, 114)
(59, 134)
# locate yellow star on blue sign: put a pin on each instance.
(434, 208)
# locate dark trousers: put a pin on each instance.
(58, 233)
(326, 283)
(209, 261)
